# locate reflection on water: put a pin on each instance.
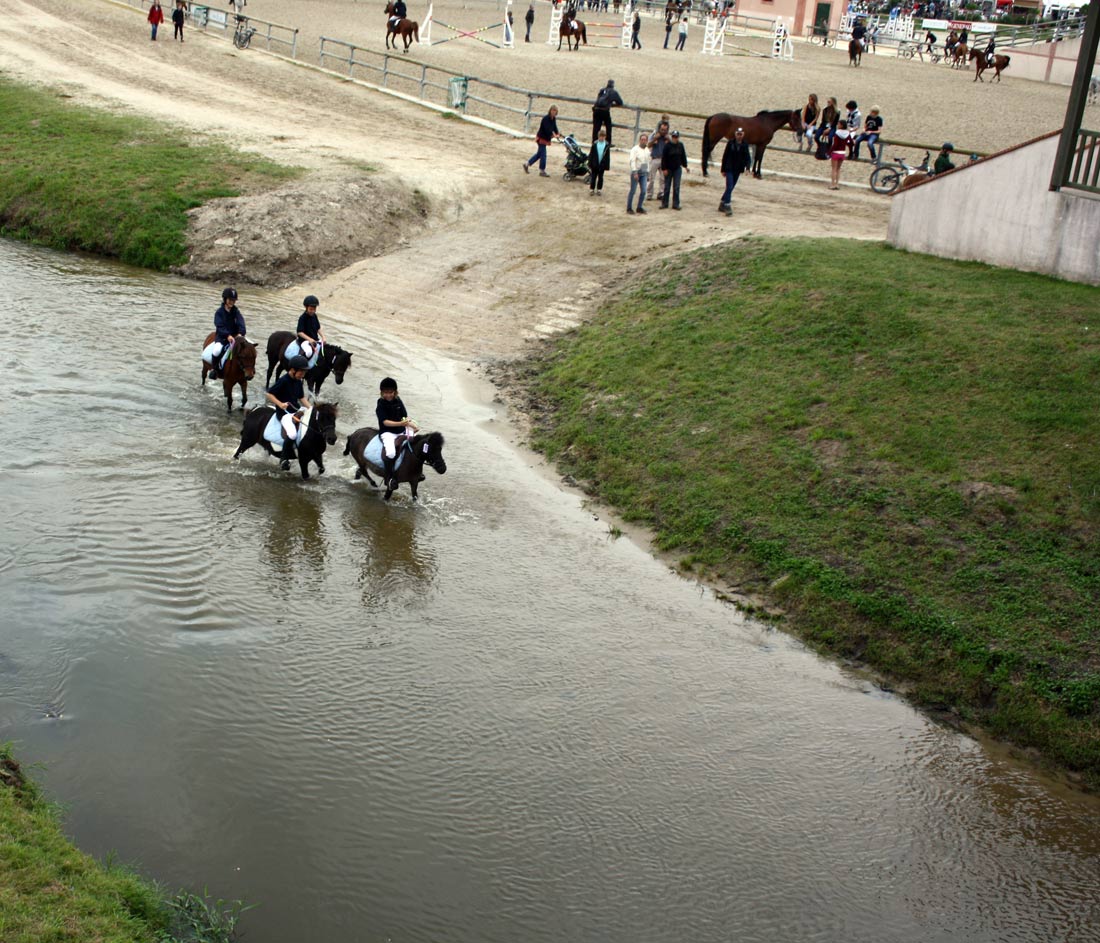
(476, 719)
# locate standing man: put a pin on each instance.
(657, 144)
(548, 130)
(635, 29)
(530, 20)
(736, 159)
(673, 164)
(639, 171)
(607, 99)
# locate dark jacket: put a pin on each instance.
(399, 9)
(288, 390)
(607, 99)
(674, 156)
(736, 158)
(228, 324)
(594, 164)
(309, 324)
(394, 410)
(547, 129)
(530, 17)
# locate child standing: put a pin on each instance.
(177, 21)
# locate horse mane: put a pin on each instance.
(434, 439)
(329, 409)
(776, 113)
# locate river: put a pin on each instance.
(478, 719)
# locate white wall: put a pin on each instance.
(1001, 211)
(1044, 62)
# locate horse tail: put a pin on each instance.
(1008, 59)
(416, 31)
(584, 33)
(706, 144)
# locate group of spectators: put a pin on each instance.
(156, 17)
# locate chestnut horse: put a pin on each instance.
(239, 369)
(759, 131)
(959, 54)
(408, 30)
(568, 33)
(1000, 63)
(855, 52)
(423, 449)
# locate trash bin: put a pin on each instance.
(460, 86)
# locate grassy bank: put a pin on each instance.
(900, 450)
(76, 179)
(51, 892)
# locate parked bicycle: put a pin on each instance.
(886, 178)
(243, 36)
(822, 39)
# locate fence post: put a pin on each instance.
(294, 45)
(385, 70)
(637, 125)
(423, 78)
(351, 59)
(527, 114)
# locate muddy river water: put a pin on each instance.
(480, 719)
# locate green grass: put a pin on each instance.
(907, 444)
(72, 178)
(52, 893)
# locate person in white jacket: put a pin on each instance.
(639, 171)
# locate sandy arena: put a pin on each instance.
(505, 256)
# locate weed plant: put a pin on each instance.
(77, 179)
(903, 448)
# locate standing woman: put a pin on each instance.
(838, 152)
(636, 28)
(810, 111)
(599, 160)
(155, 18)
(683, 34)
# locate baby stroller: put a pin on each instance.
(576, 160)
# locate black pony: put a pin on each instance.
(320, 434)
(333, 359)
(427, 449)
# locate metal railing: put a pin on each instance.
(274, 36)
(1084, 168)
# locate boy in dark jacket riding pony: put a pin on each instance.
(393, 421)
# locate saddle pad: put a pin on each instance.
(292, 349)
(372, 452)
(273, 431)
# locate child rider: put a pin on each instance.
(393, 420)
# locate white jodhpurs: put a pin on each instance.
(212, 350)
(389, 443)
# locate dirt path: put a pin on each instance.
(504, 257)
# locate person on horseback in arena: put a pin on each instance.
(991, 49)
(964, 36)
(228, 326)
(859, 31)
(952, 42)
(400, 11)
(288, 396)
(943, 159)
(310, 337)
(393, 423)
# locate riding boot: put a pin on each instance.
(388, 471)
(288, 454)
(214, 374)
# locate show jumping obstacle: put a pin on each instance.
(507, 38)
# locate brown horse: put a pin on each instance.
(567, 32)
(959, 54)
(423, 449)
(759, 131)
(1000, 63)
(855, 52)
(408, 30)
(239, 369)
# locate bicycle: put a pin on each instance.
(243, 36)
(886, 178)
(822, 39)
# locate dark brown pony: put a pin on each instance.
(333, 359)
(959, 54)
(759, 131)
(425, 449)
(408, 30)
(239, 369)
(566, 32)
(1000, 63)
(855, 52)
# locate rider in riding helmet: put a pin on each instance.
(400, 11)
(991, 49)
(310, 335)
(393, 421)
(859, 31)
(288, 396)
(943, 160)
(228, 326)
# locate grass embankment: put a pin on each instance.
(902, 449)
(52, 893)
(76, 179)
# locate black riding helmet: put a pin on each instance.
(311, 301)
(949, 146)
(297, 362)
(228, 293)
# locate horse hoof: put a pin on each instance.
(320, 469)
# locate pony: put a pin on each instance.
(759, 131)
(333, 359)
(408, 30)
(855, 52)
(567, 32)
(959, 53)
(1000, 63)
(423, 449)
(320, 433)
(239, 369)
